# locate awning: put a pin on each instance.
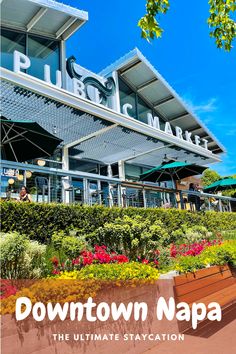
(45, 17)
(221, 185)
(172, 171)
(25, 140)
(139, 74)
(91, 130)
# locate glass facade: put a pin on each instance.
(40, 50)
(140, 108)
(11, 41)
(43, 51)
(143, 110)
(127, 96)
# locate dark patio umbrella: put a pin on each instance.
(22, 141)
(221, 185)
(172, 171)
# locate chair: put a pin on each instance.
(41, 184)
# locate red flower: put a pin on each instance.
(55, 272)
(55, 261)
(145, 261)
(7, 289)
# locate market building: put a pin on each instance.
(113, 126)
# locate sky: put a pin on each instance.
(204, 76)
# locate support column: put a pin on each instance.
(110, 197)
(119, 195)
(85, 190)
(63, 63)
(99, 192)
(220, 205)
(121, 169)
(144, 199)
(65, 180)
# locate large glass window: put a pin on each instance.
(40, 50)
(140, 108)
(127, 96)
(143, 110)
(11, 41)
(43, 51)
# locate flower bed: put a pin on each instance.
(218, 254)
(193, 249)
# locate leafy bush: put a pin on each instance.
(116, 272)
(189, 264)
(134, 237)
(187, 234)
(229, 235)
(220, 255)
(20, 257)
(70, 246)
(39, 221)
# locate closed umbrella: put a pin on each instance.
(221, 185)
(24, 140)
(172, 171)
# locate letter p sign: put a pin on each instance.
(20, 61)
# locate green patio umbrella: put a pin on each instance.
(221, 185)
(172, 171)
(22, 140)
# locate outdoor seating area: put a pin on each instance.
(49, 184)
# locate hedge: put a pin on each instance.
(39, 221)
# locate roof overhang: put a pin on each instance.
(94, 131)
(43, 17)
(144, 79)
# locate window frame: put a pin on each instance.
(27, 34)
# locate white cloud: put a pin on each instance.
(203, 107)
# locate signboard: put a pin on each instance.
(97, 89)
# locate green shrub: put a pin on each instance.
(39, 220)
(134, 237)
(70, 246)
(229, 235)
(21, 258)
(221, 254)
(124, 271)
(187, 264)
(189, 235)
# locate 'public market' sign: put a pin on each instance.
(81, 86)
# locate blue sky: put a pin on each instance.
(204, 76)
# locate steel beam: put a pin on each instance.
(36, 18)
(90, 136)
(66, 25)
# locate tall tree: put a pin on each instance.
(220, 21)
(209, 177)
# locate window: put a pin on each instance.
(40, 50)
(140, 107)
(11, 41)
(43, 51)
(143, 110)
(127, 96)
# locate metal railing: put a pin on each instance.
(201, 201)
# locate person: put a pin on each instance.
(192, 197)
(198, 198)
(24, 195)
